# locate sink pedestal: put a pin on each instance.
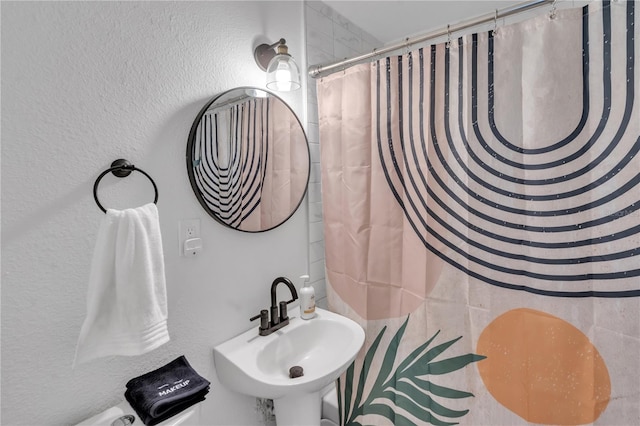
(303, 409)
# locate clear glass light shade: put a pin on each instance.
(283, 74)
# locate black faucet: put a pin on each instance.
(278, 320)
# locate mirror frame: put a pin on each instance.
(189, 159)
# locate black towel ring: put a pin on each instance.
(121, 168)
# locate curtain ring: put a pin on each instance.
(406, 46)
(552, 14)
(448, 44)
(495, 23)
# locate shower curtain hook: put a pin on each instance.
(406, 46)
(552, 15)
(448, 44)
(495, 23)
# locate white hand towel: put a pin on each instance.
(127, 296)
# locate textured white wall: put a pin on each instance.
(84, 83)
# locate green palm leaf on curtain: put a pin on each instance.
(405, 387)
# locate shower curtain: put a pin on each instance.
(482, 223)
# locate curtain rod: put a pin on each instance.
(316, 71)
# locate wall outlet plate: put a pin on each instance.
(188, 229)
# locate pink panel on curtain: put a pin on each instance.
(284, 177)
(368, 246)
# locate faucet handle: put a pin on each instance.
(264, 319)
(283, 310)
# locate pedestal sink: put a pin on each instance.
(259, 365)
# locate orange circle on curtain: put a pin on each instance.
(543, 368)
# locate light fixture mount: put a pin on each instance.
(264, 53)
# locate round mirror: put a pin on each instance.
(248, 159)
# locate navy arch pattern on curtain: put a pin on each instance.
(557, 216)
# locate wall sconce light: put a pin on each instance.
(283, 73)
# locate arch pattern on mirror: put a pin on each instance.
(248, 159)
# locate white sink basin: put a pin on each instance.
(259, 365)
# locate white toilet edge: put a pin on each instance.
(109, 415)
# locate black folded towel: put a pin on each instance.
(163, 393)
